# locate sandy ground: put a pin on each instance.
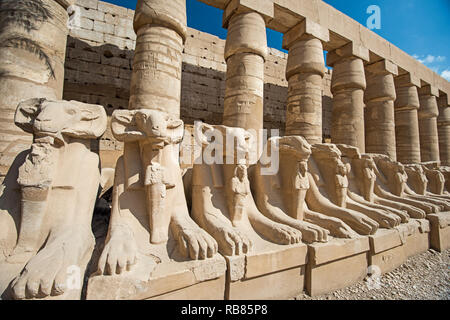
(422, 277)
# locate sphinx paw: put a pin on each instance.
(196, 244)
(119, 253)
(233, 242)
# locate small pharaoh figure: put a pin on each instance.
(341, 181)
(241, 188)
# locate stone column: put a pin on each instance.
(348, 83)
(379, 112)
(33, 37)
(443, 122)
(160, 27)
(428, 112)
(406, 119)
(304, 72)
(245, 54)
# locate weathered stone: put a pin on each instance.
(379, 112)
(347, 85)
(33, 36)
(47, 201)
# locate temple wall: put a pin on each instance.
(98, 70)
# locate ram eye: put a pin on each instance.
(71, 112)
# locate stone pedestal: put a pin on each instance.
(304, 72)
(386, 250)
(416, 235)
(33, 37)
(191, 280)
(379, 112)
(347, 85)
(440, 231)
(443, 123)
(336, 265)
(269, 275)
(406, 119)
(245, 53)
(428, 112)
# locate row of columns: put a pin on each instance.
(374, 108)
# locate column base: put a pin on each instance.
(272, 275)
(440, 231)
(336, 264)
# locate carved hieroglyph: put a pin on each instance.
(47, 200)
(245, 54)
(348, 83)
(406, 119)
(281, 196)
(33, 36)
(428, 112)
(304, 71)
(379, 112)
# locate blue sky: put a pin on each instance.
(419, 27)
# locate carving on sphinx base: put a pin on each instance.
(50, 192)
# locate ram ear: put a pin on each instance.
(91, 124)
(175, 128)
(26, 112)
(124, 127)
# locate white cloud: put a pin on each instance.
(429, 58)
(446, 75)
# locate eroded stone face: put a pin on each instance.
(49, 195)
(33, 36)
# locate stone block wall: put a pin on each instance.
(98, 64)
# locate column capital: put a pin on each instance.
(264, 7)
(305, 28)
(444, 101)
(407, 80)
(428, 90)
(169, 14)
(350, 50)
(382, 67)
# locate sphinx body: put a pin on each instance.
(281, 195)
(150, 222)
(329, 175)
(222, 202)
(47, 200)
(362, 180)
(392, 185)
(423, 181)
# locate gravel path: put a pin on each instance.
(423, 277)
